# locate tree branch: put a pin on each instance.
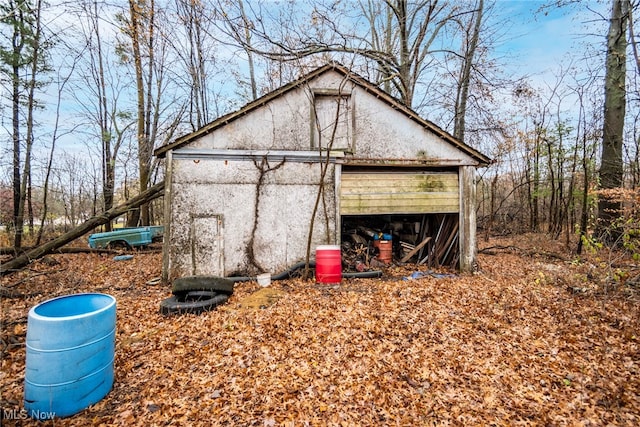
(35, 253)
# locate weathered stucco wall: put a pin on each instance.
(382, 132)
(269, 236)
(379, 131)
(282, 124)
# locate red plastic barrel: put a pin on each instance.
(385, 247)
(328, 264)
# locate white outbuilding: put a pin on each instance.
(327, 159)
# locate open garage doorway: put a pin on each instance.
(421, 239)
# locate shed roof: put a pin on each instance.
(348, 74)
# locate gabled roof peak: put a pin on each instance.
(347, 73)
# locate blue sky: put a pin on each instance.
(537, 43)
(540, 43)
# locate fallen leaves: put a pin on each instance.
(498, 348)
(261, 299)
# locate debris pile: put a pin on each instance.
(379, 241)
(364, 248)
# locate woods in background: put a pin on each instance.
(92, 87)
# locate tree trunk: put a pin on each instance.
(17, 228)
(140, 90)
(40, 251)
(535, 196)
(140, 14)
(106, 136)
(465, 74)
(54, 139)
(30, 205)
(247, 35)
(17, 44)
(613, 125)
(146, 149)
(584, 215)
(30, 101)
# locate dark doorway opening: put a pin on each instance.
(421, 239)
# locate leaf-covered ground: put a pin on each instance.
(528, 340)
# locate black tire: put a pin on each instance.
(193, 302)
(118, 245)
(194, 296)
(216, 284)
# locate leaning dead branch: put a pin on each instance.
(27, 257)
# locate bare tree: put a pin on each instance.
(147, 48)
(99, 78)
(401, 44)
(470, 44)
(62, 82)
(611, 168)
(23, 63)
(195, 49)
(587, 137)
(141, 31)
(633, 152)
(247, 43)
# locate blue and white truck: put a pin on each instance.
(129, 237)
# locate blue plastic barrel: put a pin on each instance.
(70, 354)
